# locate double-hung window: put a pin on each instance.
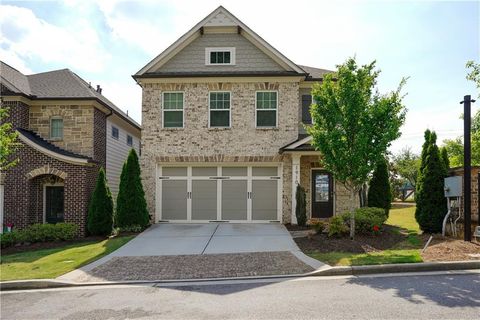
(219, 56)
(219, 109)
(115, 132)
(173, 109)
(129, 140)
(306, 104)
(56, 128)
(266, 109)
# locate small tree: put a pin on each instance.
(301, 209)
(379, 193)
(8, 144)
(100, 211)
(444, 158)
(131, 204)
(431, 202)
(353, 124)
(406, 164)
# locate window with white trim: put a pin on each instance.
(115, 132)
(219, 109)
(129, 140)
(266, 109)
(172, 109)
(219, 56)
(56, 128)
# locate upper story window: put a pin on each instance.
(56, 128)
(306, 104)
(266, 109)
(172, 106)
(129, 140)
(114, 132)
(219, 56)
(219, 109)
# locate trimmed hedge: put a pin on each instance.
(40, 233)
(366, 219)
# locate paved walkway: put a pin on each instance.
(227, 241)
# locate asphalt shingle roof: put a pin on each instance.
(57, 84)
(315, 73)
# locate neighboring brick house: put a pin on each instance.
(65, 130)
(223, 133)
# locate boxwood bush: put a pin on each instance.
(40, 233)
(366, 219)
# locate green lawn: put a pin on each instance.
(51, 263)
(356, 259)
(405, 252)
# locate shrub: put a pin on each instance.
(131, 203)
(429, 196)
(40, 233)
(380, 193)
(337, 227)
(318, 226)
(301, 208)
(100, 210)
(366, 219)
(133, 228)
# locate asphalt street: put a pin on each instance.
(420, 296)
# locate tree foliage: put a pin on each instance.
(8, 141)
(100, 211)
(301, 208)
(444, 158)
(380, 193)
(406, 164)
(474, 74)
(131, 204)
(353, 124)
(431, 202)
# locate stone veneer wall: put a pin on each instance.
(78, 126)
(341, 194)
(198, 143)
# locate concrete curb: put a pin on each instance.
(322, 272)
(397, 268)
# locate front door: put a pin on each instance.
(54, 204)
(322, 194)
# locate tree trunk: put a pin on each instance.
(352, 213)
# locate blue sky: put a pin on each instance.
(105, 42)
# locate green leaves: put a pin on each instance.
(353, 123)
(8, 141)
(100, 211)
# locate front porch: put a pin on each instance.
(324, 196)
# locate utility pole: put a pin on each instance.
(467, 168)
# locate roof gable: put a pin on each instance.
(220, 17)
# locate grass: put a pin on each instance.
(356, 259)
(406, 252)
(51, 263)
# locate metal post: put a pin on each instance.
(467, 169)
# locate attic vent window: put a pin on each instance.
(219, 56)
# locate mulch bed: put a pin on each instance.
(197, 266)
(294, 227)
(362, 243)
(451, 250)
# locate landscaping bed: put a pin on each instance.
(451, 250)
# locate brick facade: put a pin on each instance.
(475, 196)
(18, 113)
(24, 189)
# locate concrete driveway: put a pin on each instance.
(207, 238)
(217, 243)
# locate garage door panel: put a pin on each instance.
(234, 200)
(174, 200)
(204, 200)
(264, 199)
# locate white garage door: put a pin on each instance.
(220, 193)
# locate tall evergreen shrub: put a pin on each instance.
(445, 160)
(431, 203)
(380, 193)
(100, 210)
(131, 204)
(301, 209)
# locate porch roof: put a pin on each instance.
(302, 143)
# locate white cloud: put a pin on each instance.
(26, 36)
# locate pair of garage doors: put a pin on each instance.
(220, 193)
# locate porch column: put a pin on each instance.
(295, 182)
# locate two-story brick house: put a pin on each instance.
(223, 135)
(67, 130)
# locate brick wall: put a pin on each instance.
(100, 137)
(17, 113)
(24, 195)
(78, 126)
(474, 195)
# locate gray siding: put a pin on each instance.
(248, 57)
(117, 153)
